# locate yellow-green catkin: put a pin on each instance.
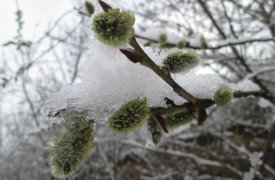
(129, 116)
(114, 27)
(162, 40)
(154, 130)
(223, 95)
(179, 119)
(71, 148)
(181, 61)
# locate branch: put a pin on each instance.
(204, 103)
(222, 45)
(239, 94)
(234, 49)
(162, 73)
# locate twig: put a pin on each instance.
(220, 46)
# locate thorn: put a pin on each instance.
(131, 55)
(202, 116)
(104, 5)
(161, 122)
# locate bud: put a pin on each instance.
(181, 44)
(114, 27)
(71, 147)
(180, 61)
(89, 8)
(203, 42)
(176, 120)
(223, 95)
(155, 131)
(162, 40)
(129, 116)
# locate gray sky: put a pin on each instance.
(37, 14)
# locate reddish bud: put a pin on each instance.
(161, 122)
(104, 5)
(131, 55)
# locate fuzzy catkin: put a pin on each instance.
(70, 149)
(154, 130)
(114, 27)
(180, 61)
(223, 95)
(129, 116)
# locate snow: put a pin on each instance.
(255, 160)
(245, 85)
(260, 71)
(263, 103)
(109, 79)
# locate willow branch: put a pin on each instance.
(162, 73)
(204, 103)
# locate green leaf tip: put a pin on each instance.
(181, 61)
(155, 131)
(176, 120)
(223, 95)
(129, 116)
(114, 27)
(89, 8)
(69, 150)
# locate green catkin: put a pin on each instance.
(71, 148)
(155, 131)
(203, 42)
(180, 61)
(181, 44)
(176, 120)
(129, 116)
(89, 8)
(223, 95)
(114, 27)
(162, 40)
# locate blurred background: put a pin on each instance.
(43, 45)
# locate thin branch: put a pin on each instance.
(219, 46)
(235, 51)
(239, 94)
